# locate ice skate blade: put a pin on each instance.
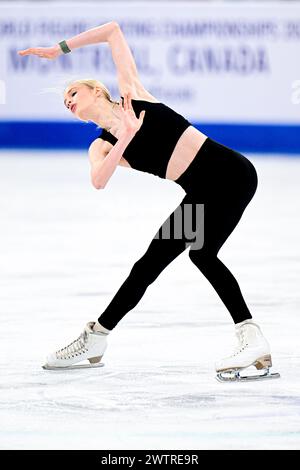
(74, 366)
(234, 376)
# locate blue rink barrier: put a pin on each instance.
(51, 135)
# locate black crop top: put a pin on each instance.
(152, 146)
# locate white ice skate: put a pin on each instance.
(90, 345)
(252, 350)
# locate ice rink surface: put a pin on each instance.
(65, 250)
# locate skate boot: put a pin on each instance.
(252, 350)
(90, 346)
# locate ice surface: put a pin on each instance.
(65, 250)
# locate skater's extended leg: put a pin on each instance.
(162, 250)
(91, 344)
(220, 219)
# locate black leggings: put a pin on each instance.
(219, 184)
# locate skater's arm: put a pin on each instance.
(129, 125)
(91, 36)
(127, 73)
(103, 164)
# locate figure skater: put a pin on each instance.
(141, 132)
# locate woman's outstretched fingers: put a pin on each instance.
(30, 50)
(23, 52)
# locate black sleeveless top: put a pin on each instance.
(152, 146)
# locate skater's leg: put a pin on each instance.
(220, 219)
(160, 253)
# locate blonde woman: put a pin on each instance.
(141, 132)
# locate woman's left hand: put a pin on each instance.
(43, 52)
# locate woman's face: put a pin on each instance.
(80, 100)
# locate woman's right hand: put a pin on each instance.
(129, 124)
(43, 52)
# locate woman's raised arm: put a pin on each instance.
(111, 33)
(91, 36)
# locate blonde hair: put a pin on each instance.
(92, 83)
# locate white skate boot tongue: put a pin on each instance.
(97, 328)
(245, 322)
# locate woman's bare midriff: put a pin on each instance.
(186, 149)
(183, 154)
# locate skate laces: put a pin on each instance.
(242, 342)
(76, 348)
